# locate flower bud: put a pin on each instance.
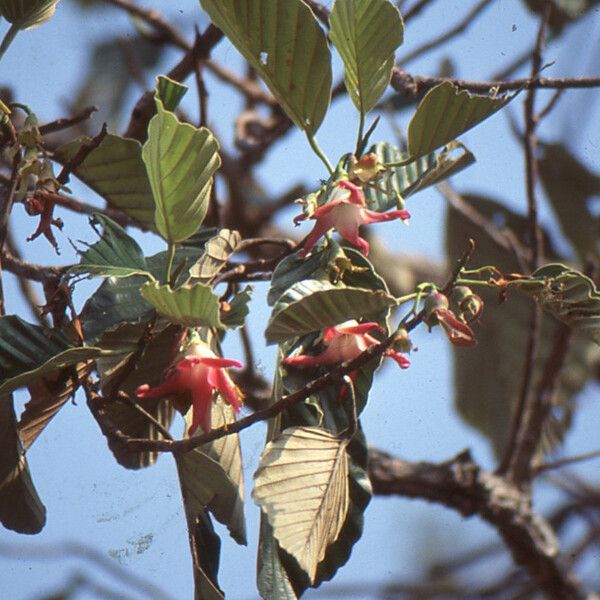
(470, 305)
(434, 302)
(26, 14)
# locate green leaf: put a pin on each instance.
(570, 187)
(486, 402)
(192, 306)
(27, 14)
(445, 113)
(416, 175)
(216, 254)
(21, 509)
(170, 92)
(141, 355)
(302, 486)
(238, 309)
(569, 295)
(366, 34)
(116, 254)
(29, 351)
(288, 49)
(312, 305)
(115, 171)
(180, 161)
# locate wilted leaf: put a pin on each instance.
(29, 351)
(416, 175)
(312, 305)
(116, 254)
(238, 309)
(302, 486)
(192, 306)
(217, 251)
(366, 34)
(180, 161)
(288, 49)
(20, 506)
(445, 113)
(116, 172)
(570, 187)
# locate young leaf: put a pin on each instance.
(570, 296)
(312, 305)
(366, 34)
(445, 113)
(180, 161)
(216, 253)
(115, 171)
(192, 306)
(416, 175)
(238, 309)
(302, 486)
(288, 49)
(29, 351)
(116, 254)
(170, 92)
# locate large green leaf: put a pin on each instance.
(570, 187)
(180, 160)
(20, 506)
(445, 113)
(141, 356)
(366, 34)
(570, 296)
(405, 180)
(116, 172)
(486, 402)
(302, 486)
(288, 49)
(216, 254)
(116, 254)
(29, 351)
(192, 306)
(26, 14)
(312, 305)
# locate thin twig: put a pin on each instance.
(416, 9)
(81, 155)
(67, 122)
(463, 25)
(563, 462)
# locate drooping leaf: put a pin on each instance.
(141, 356)
(20, 506)
(417, 175)
(206, 550)
(366, 34)
(570, 187)
(570, 296)
(27, 14)
(47, 396)
(302, 486)
(170, 92)
(216, 253)
(486, 402)
(115, 254)
(192, 306)
(288, 49)
(180, 161)
(238, 309)
(445, 113)
(29, 351)
(312, 305)
(116, 172)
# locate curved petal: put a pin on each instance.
(459, 333)
(172, 385)
(372, 216)
(319, 230)
(402, 361)
(359, 329)
(356, 195)
(222, 383)
(201, 407)
(220, 363)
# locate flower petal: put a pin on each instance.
(372, 216)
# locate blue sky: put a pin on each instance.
(136, 518)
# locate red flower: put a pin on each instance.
(345, 342)
(437, 312)
(194, 379)
(346, 212)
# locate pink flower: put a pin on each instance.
(194, 380)
(346, 212)
(345, 342)
(438, 313)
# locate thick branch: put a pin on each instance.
(461, 485)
